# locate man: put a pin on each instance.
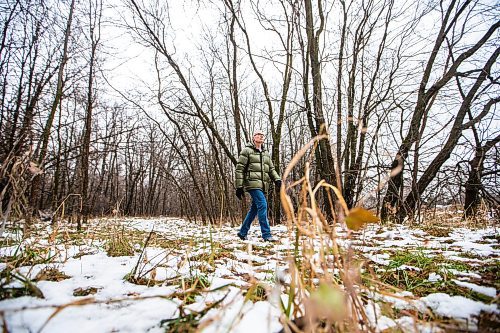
(254, 171)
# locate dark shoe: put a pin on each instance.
(270, 240)
(241, 236)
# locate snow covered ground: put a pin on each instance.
(206, 277)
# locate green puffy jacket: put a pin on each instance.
(255, 169)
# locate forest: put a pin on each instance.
(121, 127)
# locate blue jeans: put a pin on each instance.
(259, 207)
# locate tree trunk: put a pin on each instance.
(326, 164)
(37, 181)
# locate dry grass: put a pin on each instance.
(449, 217)
(335, 304)
(256, 292)
(85, 291)
(28, 288)
(51, 274)
(119, 245)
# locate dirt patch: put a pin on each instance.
(488, 322)
(85, 291)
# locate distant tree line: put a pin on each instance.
(407, 91)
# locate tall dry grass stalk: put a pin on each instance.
(324, 289)
(16, 173)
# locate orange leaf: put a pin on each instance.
(359, 216)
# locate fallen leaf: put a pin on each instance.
(358, 216)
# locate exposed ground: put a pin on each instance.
(118, 276)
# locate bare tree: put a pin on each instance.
(94, 16)
(473, 185)
(393, 200)
(317, 123)
(42, 151)
(151, 29)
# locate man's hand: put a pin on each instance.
(277, 184)
(240, 193)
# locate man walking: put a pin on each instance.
(254, 171)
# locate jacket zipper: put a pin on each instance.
(262, 171)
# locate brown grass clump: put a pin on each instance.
(85, 291)
(51, 274)
(453, 215)
(436, 231)
(118, 245)
(488, 322)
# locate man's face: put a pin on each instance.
(258, 138)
